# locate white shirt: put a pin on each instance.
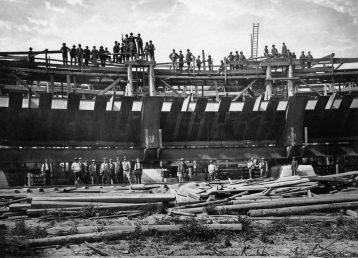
(75, 167)
(212, 168)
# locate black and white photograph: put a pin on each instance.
(179, 128)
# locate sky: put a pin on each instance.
(217, 26)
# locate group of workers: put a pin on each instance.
(93, 172)
(178, 60)
(286, 53)
(131, 48)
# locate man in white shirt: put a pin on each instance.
(212, 169)
(76, 169)
(46, 170)
(127, 169)
(104, 172)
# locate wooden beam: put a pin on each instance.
(335, 69)
(174, 90)
(242, 92)
(309, 86)
(113, 84)
(216, 91)
(24, 84)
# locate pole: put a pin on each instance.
(50, 87)
(204, 63)
(130, 81)
(306, 135)
(290, 85)
(68, 79)
(151, 80)
(29, 97)
(268, 91)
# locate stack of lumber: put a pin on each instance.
(70, 201)
(285, 196)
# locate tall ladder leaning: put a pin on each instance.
(254, 40)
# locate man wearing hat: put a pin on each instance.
(139, 44)
(92, 169)
(73, 55)
(181, 60)
(76, 169)
(112, 173)
(127, 169)
(274, 51)
(181, 170)
(188, 58)
(104, 171)
(31, 56)
(173, 57)
(263, 167)
(64, 49)
(86, 55)
(79, 54)
(151, 51)
(138, 170)
(210, 63)
(284, 50)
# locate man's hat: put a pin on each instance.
(75, 159)
(80, 158)
(93, 160)
(188, 49)
(30, 48)
(74, 46)
(79, 45)
(63, 43)
(125, 158)
(150, 41)
(273, 45)
(131, 33)
(180, 51)
(105, 158)
(138, 34)
(209, 55)
(182, 159)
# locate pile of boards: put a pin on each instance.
(286, 196)
(72, 201)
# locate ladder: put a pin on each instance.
(254, 40)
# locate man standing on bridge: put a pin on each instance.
(309, 59)
(73, 55)
(174, 57)
(181, 60)
(64, 49)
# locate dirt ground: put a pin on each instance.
(291, 238)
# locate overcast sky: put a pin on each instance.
(217, 26)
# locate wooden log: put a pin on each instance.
(300, 218)
(278, 203)
(114, 198)
(15, 201)
(19, 207)
(121, 214)
(111, 233)
(119, 206)
(302, 209)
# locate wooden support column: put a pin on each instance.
(291, 90)
(151, 81)
(204, 62)
(68, 80)
(225, 69)
(268, 91)
(74, 84)
(51, 86)
(129, 87)
(29, 97)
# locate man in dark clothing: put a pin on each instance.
(302, 60)
(86, 55)
(102, 56)
(173, 57)
(115, 51)
(294, 166)
(309, 59)
(284, 50)
(210, 63)
(31, 57)
(151, 51)
(132, 39)
(237, 58)
(139, 44)
(274, 52)
(94, 56)
(64, 49)
(73, 54)
(107, 54)
(79, 54)
(181, 60)
(198, 63)
(266, 52)
(188, 58)
(231, 58)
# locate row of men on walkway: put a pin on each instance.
(93, 172)
(178, 60)
(286, 53)
(130, 49)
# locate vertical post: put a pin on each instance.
(146, 135)
(324, 89)
(204, 62)
(62, 90)
(50, 87)
(306, 135)
(29, 97)
(129, 86)
(160, 138)
(74, 83)
(268, 91)
(194, 65)
(202, 90)
(46, 59)
(290, 85)
(184, 91)
(196, 90)
(225, 69)
(151, 80)
(68, 80)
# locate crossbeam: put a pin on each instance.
(171, 87)
(309, 86)
(109, 87)
(24, 84)
(242, 92)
